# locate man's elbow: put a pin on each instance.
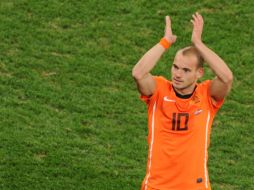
(229, 78)
(136, 74)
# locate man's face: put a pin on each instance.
(184, 71)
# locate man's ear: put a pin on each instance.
(200, 72)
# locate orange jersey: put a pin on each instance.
(178, 138)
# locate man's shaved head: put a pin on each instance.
(192, 51)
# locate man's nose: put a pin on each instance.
(178, 73)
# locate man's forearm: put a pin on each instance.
(148, 61)
(218, 66)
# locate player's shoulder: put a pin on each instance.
(163, 85)
(204, 91)
(161, 80)
(203, 88)
(204, 85)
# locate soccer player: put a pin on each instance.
(181, 111)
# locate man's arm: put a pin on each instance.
(222, 83)
(141, 71)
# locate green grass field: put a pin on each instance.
(71, 117)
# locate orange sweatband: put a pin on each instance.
(165, 43)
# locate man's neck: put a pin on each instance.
(185, 93)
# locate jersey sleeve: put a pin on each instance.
(214, 105)
(159, 81)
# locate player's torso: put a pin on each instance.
(180, 133)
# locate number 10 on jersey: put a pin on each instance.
(180, 121)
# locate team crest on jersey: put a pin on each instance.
(195, 99)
